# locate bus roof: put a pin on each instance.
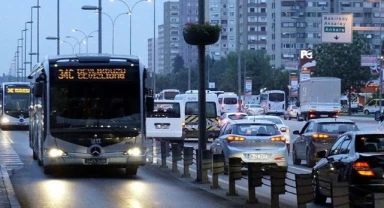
(93, 57)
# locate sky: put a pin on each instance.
(15, 13)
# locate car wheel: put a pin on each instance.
(294, 157)
(318, 198)
(310, 161)
(289, 118)
(34, 155)
(285, 118)
(366, 112)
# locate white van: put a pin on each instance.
(166, 121)
(228, 102)
(191, 103)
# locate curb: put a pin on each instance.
(14, 203)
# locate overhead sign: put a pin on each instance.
(18, 90)
(336, 28)
(369, 60)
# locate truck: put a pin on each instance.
(319, 97)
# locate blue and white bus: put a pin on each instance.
(273, 102)
(14, 105)
(89, 110)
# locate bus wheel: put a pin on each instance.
(34, 155)
(131, 170)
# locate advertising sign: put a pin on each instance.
(294, 83)
(336, 28)
(248, 86)
(291, 65)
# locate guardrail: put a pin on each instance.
(280, 180)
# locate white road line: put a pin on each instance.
(302, 169)
(9, 139)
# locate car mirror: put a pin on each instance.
(321, 154)
(297, 132)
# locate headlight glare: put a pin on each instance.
(4, 120)
(55, 153)
(134, 151)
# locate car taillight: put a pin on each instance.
(320, 136)
(363, 168)
(278, 139)
(235, 138)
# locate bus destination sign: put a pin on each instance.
(91, 74)
(18, 90)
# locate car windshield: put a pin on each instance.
(336, 128)
(274, 120)
(256, 130)
(370, 143)
(166, 110)
(237, 117)
(230, 101)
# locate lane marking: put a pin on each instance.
(302, 169)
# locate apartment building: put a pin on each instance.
(160, 50)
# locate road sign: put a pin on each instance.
(369, 60)
(336, 28)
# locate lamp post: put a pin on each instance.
(85, 36)
(130, 10)
(58, 27)
(38, 31)
(87, 7)
(77, 40)
(53, 38)
(154, 46)
(30, 52)
(113, 21)
(25, 51)
(21, 56)
(73, 47)
(381, 58)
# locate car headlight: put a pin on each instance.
(133, 152)
(55, 152)
(4, 120)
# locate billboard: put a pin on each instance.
(369, 60)
(248, 86)
(291, 65)
(294, 86)
(336, 28)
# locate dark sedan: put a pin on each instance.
(357, 158)
(316, 135)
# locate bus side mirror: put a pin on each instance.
(297, 104)
(38, 89)
(150, 104)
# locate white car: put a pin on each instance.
(254, 109)
(256, 141)
(292, 112)
(284, 129)
(226, 117)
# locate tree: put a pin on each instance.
(343, 61)
(178, 64)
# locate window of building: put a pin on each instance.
(231, 22)
(231, 37)
(231, 14)
(251, 10)
(263, 28)
(224, 22)
(263, 10)
(224, 37)
(251, 29)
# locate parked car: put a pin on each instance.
(284, 129)
(291, 112)
(317, 135)
(232, 116)
(256, 141)
(357, 158)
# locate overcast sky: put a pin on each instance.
(15, 13)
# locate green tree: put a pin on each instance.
(343, 61)
(178, 64)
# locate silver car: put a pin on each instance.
(256, 141)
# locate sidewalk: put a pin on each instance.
(9, 159)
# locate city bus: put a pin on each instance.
(273, 102)
(89, 110)
(168, 94)
(14, 105)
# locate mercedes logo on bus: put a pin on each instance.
(95, 151)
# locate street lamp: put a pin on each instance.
(53, 38)
(85, 36)
(113, 21)
(87, 7)
(77, 40)
(73, 47)
(130, 10)
(30, 52)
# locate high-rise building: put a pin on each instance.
(150, 55)
(171, 34)
(160, 50)
(223, 12)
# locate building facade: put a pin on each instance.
(171, 34)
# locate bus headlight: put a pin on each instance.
(133, 152)
(55, 153)
(4, 120)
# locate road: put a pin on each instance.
(110, 188)
(100, 187)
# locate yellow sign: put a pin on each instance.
(91, 74)
(18, 90)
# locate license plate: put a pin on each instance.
(95, 161)
(191, 126)
(257, 156)
(324, 116)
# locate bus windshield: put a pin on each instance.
(276, 97)
(16, 99)
(95, 105)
